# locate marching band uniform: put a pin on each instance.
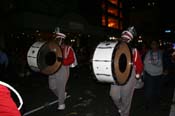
(122, 94)
(7, 105)
(58, 80)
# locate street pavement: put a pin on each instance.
(86, 97)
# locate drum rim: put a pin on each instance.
(57, 68)
(112, 64)
(61, 62)
(39, 52)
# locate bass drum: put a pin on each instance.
(43, 57)
(112, 62)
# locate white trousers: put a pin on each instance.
(122, 94)
(57, 83)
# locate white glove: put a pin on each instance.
(137, 76)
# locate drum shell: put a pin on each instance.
(102, 61)
(32, 55)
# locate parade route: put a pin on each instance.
(86, 97)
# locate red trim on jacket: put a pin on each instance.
(7, 105)
(68, 55)
(137, 61)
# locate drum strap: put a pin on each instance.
(75, 59)
(137, 62)
(66, 51)
(136, 54)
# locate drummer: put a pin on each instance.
(58, 80)
(122, 94)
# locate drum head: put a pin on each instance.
(122, 63)
(47, 58)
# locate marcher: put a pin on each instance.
(153, 71)
(172, 109)
(122, 94)
(58, 80)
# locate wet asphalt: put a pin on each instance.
(86, 96)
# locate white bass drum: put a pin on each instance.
(44, 57)
(112, 62)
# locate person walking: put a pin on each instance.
(153, 71)
(122, 94)
(58, 80)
